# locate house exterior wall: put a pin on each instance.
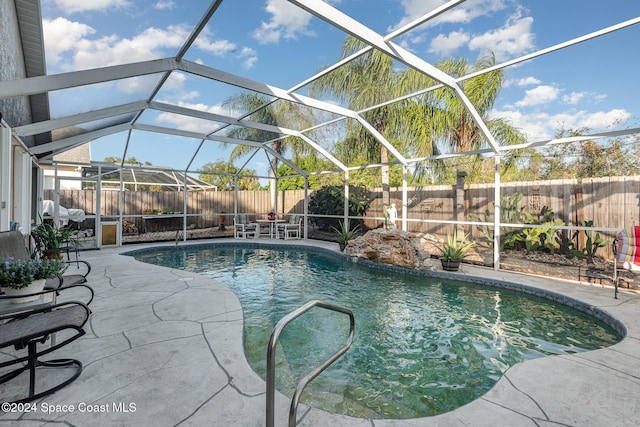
(15, 111)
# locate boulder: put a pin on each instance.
(395, 247)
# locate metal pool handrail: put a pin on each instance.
(271, 351)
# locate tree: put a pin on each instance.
(422, 126)
(367, 80)
(221, 174)
(129, 161)
(581, 159)
(329, 200)
(308, 163)
(282, 113)
(439, 120)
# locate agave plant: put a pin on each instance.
(455, 250)
(345, 233)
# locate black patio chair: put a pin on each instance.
(31, 329)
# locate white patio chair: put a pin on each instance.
(243, 228)
(291, 229)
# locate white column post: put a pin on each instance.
(404, 198)
(22, 188)
(496, 217)
(5, 177)
(306, 205)
(346, 197)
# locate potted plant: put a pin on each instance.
(23, 277)
(51, 239)
(345, 233)
(454, 251)
(221, 220)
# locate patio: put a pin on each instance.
(166, 347)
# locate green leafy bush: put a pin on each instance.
(329, 200)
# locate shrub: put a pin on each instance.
(329, 200)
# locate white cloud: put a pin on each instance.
(191, 123)
(463, 13)
(528, 81)
(66, 37)
(216, 47)
(539, 95)
(222, 48)
(445, 45)
(164, 5)
(68, 46)
(112, 50)
(599, 97)
(174, 88)
(606, 119)
(573, 98)
(72, 6)
(513, 39)
(141, 84)
(287, 21)
(249, 56)
(525, 81)
(62, 35)
(540, 126)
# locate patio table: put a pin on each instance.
(272, 226)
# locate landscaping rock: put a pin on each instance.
(393, 247)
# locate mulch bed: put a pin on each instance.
(559, 266)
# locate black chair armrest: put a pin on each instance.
(30, 312)
(57, 290)
(78, 261)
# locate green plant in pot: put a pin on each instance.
(23, 277)
(454, 251)
(51, 239)
(345, 233)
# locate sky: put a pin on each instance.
(591, 85)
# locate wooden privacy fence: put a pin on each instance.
(611, 203)
(204, 208)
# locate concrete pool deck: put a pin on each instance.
(164, 347)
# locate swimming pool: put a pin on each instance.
(423, 346)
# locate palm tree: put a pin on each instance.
(424, 124)
(279, 113)
(439, 119)
(367, 80)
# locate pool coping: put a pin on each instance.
(138, 316)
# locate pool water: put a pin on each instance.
(422, 346)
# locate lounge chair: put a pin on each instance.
(291, 229)
(243, 228)
(627, 249)
(12, 244)
(27, 328)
